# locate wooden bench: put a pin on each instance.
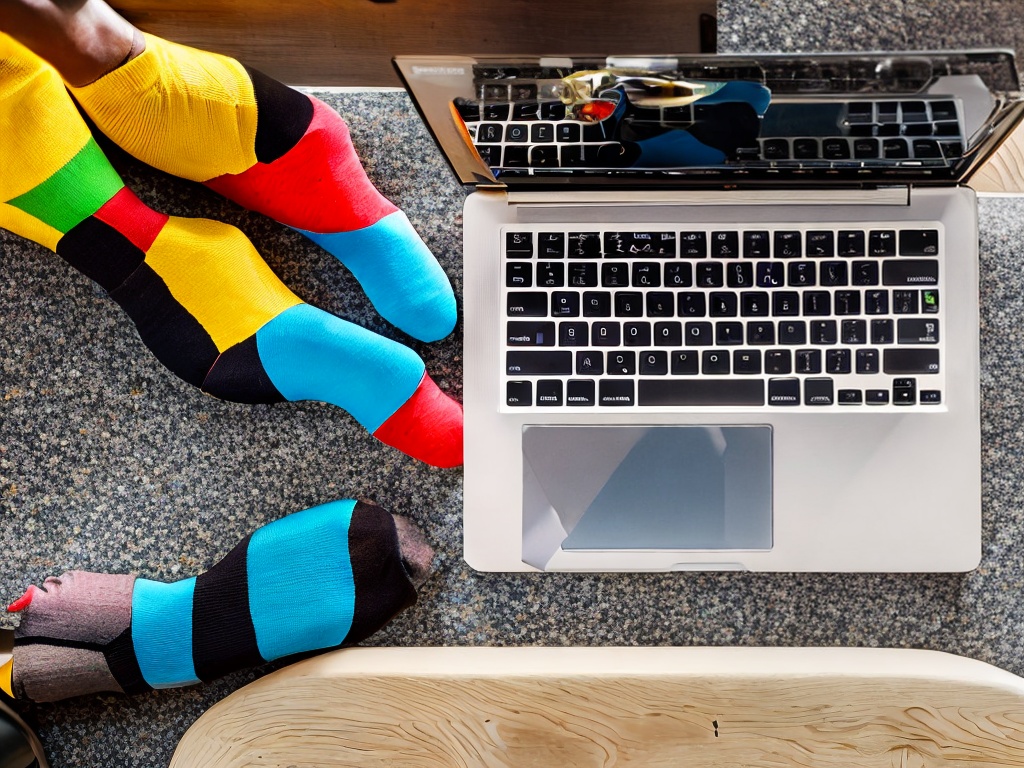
(672, 707)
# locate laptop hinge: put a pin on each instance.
(888, 195)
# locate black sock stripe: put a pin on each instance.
(238, 375)
(177, 339)
(100, 252)
(282, 116)
(382, 585)
(123, 665)
(223, 635)
(60, 642)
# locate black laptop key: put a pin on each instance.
(606, 334)
(574, 334)
(756, 245)
(927, 149)
(616, 244)
(565, 304)
(864, 149)
(552, 110)
(805, 149)
(527, 304)
(621, 363)
(542, 133)
(784, 391)
(519, 245)
(517, 133)
(693, 245)
(525, 110)
(549, 392)
(788, 245)
(746, 361)
(904, 392)
(915, 331)
(710, 274)
(584, 245)
(551, 245)
(646, 274)
(516, 157)
(544, 157)
(865, 273)
(778, 362)
(851, 243)
(725, 245)
(550, 274)
(530, 334)
(616, 392)
(582, 274)
(496, 111)
(819, 392)
(589, 363)
(895, 149)
(597, 304)
(910, 272)
(905, 360)
(580, 392)
(701, 392)
(629, 304)
(820, 244)
(567, 132)
(489, 133)
(678, 274)
(519, 274)
(836, 148)
(519, 394)
(850, 397)
(536, 362)
(661, 304)
(684, 362)
(919, 242)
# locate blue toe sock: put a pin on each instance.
(400, 275)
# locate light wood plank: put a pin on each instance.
(678, 707)
(351, 42)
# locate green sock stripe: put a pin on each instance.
(75, 192)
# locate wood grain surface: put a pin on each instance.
(1004, 171)
(678, 707)
(351, 42)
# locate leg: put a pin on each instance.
(202, 298)
(323, 578)
(272, 149)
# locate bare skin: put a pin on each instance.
(82, 39)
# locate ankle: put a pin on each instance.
(83, 41)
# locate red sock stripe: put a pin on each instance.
(427, 427)
(132, 218)
(318, 185)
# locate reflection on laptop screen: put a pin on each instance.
(864, 116)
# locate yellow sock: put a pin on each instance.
(165, 83)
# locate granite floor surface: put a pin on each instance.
(109, 463)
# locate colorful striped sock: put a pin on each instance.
(323, 578)
(202, 298)
(274, 150)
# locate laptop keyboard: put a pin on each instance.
(534, 133)
(811, 318)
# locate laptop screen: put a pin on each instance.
(724, 120)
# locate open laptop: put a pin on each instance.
(720, 312)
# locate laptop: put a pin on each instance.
(721, 312)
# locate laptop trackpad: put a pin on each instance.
(664, 487)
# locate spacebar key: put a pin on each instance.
(543, 363)
(701, 392)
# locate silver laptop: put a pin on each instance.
(720, 312)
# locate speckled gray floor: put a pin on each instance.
(107, 462)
